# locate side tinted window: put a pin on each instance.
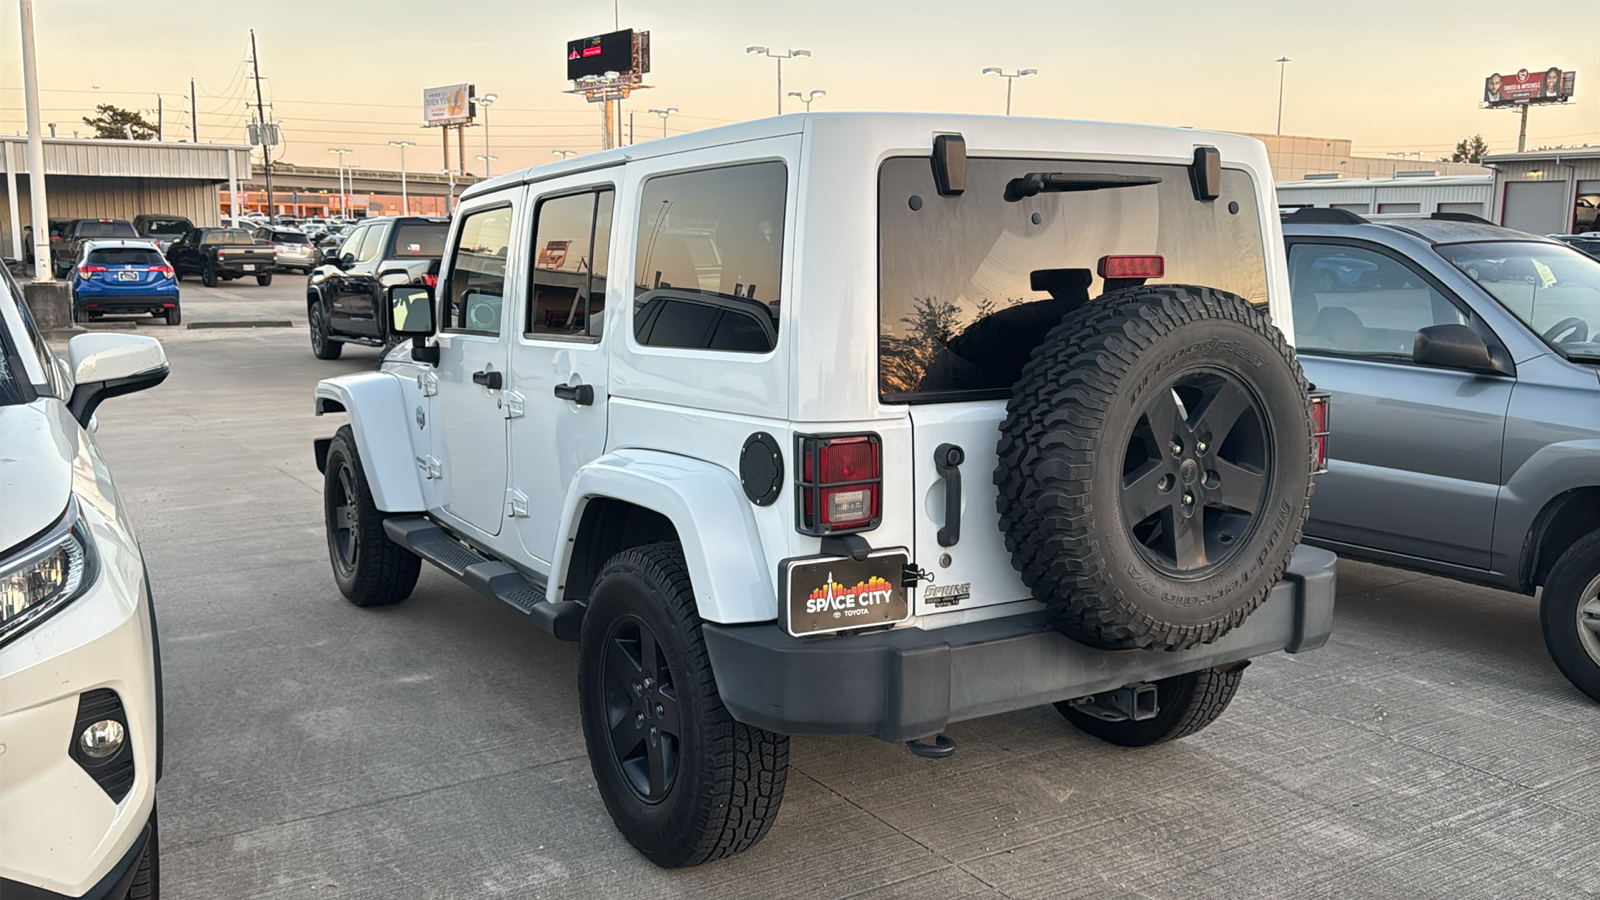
(372, 244)
(1351, 300)
(352, 242)
(571, 249)
(710, 247)
(478, 272)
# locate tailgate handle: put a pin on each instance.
(581, 394)
(947, 458)
(491, 380)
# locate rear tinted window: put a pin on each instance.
(167, 227)
(958, 313)
(126, 256)
(422, 239)
(290, 237)
(104, 230)
(227, 236)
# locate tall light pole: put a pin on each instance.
(344, 199)
(563, 153)
(780, 57)
(1009, 77)
(43, 267)
(486, 101)
(664, 113)
(405, 196)
(485, 160)
(1283, 66)
(808, 99)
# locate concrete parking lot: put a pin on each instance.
(433, 749)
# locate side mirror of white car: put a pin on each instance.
(109, 365)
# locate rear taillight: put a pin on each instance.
(88, 269)
(161, 270)
(1132, 266)
(1319, 431)
(432, 281)
(840, 484)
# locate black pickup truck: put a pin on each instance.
(344, 295)
(222, 254)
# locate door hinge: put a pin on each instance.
(516, 504)
(514, 405)
(428, 383)
(430, 467)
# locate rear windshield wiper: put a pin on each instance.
(1038, 182)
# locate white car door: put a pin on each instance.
(482, 287)
(559, 365)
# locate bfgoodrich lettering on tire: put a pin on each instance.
(683, 781)
(1155, 466)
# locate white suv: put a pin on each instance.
(810, 426)
(80, 678)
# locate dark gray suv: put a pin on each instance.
(1464, 363)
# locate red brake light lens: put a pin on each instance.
(840, 484)
(1132, 266)
(87, 269)
(161, 270)
(1319, 431)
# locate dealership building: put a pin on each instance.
(116, 179)
(1547, 191)
(1409, 194)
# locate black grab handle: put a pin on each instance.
(490, 380)
(947, 458)
(581, 394)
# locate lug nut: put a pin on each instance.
(661, 711)
(648, 683)
(638, 720)
(1188, 498)
(1200, 447)
(1177, 449)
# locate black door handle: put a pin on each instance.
(947, 458)
(491, 380)
(581, 394)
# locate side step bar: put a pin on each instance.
(489, 577)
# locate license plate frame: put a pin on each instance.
(127, 275)
(248, 267)
(832, 594)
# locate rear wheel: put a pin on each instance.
(322, 346)
(1569, 613)
(174, 316)
(370, 569)
(208, 275)
(683, 781)
(1184, 705)
(264, 279)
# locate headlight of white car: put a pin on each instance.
(45, 575)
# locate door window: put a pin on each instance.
(477, 282)
(352, 242)
(571, 251)
(372, 244)
(710, 250)
(1355, 301)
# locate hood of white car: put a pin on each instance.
(36, 454)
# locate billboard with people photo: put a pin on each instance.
(1553, 86)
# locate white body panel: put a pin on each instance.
(382, 421)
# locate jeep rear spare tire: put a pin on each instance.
(1155, 466)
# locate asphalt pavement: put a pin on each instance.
(433, 749)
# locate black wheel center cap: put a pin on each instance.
(1189, 472)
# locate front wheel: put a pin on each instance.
(322, 346)
(683, 781)
(370, 569)
(1184, 705)
(1569, 614)
(264, 279)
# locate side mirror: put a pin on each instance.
(411, 313)
(1452, 347)
(109, 365)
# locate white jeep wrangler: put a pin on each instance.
(851, 424)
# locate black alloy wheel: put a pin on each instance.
(344, 520)
(322, 346)
(641, 703)
(1196, 472)
(370, 569)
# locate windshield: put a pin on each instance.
(1552, 288)
(422, 239)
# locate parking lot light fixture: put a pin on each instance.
(563, 153)
(1009, 77)
(486, 101)
(344, 199)
(1283, 63)
(664, 113)
(808, 99)
(780, 57)
(405, 197)
(485, 160)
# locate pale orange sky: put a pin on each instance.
(1394, 76)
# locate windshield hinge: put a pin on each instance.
(514, 405)
(516, 504)
(428, 383)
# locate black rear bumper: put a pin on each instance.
(910, 683)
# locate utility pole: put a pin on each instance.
(194, 115)
(1282, 62)
(42, 268)
(1522, 133)
(266, 133)
(161, 130)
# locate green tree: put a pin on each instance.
(114, 122)
(1470, 149)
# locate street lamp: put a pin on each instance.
(486, 101)
(485, 160)
(405, 196)
(808, 100)
(344, 200)
(1020, 73)
(1283, 66)
(563, 153)
(780, 57)
(663, 113)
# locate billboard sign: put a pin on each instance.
(449, 105)
(595, 56)
(1547, 86)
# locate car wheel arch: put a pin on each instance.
(1563, 521)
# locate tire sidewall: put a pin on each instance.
(1224, 592)
(1558, 613)
(341, 455)
(656, 829)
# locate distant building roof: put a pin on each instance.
(131, 159)
(1412, 181)
(1542, 155)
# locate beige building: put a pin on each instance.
(1295, 156)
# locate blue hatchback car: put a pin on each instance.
(124, 278)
